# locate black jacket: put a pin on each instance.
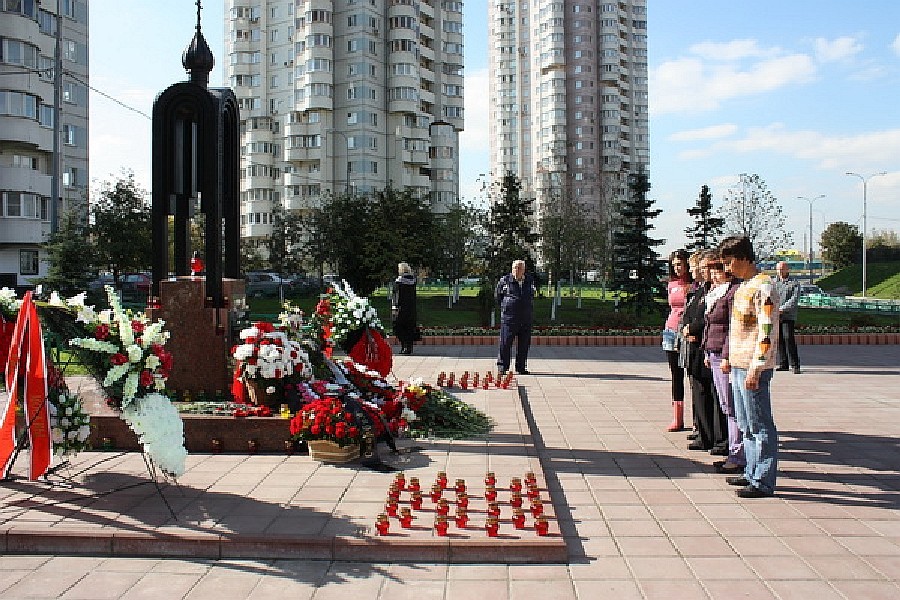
(403, 308)
(516, 301)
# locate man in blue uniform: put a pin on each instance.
(515, 297)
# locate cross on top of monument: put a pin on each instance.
(198, 59)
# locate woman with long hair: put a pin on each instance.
(678, 286)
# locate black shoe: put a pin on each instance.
(718, 463)
(696, 445)
(740, 480)
(693, 435)
(751, 492)
(796, 370)
(523, 372)
(726, 469)
(781, 369)
(719, 451)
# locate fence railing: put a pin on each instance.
(854, 303)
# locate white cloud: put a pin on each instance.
(474, 140)
(896, 44)
(692, 85)
(706, 133)
(842, 48)
(866, 151)
(732, 51)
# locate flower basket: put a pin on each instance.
(257, 393)
(328, 451)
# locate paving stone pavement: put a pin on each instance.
(643, 517)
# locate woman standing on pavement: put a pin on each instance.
(699, 375)
(403, 308)
(719, 303)
(677, 290)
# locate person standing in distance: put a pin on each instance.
(515, 297)
(403, 308)
(752, 339)
(789, 292)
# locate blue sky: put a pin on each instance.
(798, 92)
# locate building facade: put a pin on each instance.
(344, 96)
(569, 103)
(28, 92)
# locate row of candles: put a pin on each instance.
(461, 518)
(475, 381)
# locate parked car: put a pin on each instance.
(98, 284)
(264, 285)
(135, 286)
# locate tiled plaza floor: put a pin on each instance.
(642, 516)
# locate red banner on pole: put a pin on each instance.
(27, 343)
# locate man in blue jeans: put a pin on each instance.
(752, 343)
(515, 297)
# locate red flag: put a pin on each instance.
(28, 343)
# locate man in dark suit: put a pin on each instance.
(515, 296)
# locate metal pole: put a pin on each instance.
(55, 186)
(809, 255)
(865, 181)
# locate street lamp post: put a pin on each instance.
(865, 181)
(809, 255)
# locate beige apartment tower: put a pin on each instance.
(31, 91)
(346, 96)
(568, 90)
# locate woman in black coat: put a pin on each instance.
(403, 308)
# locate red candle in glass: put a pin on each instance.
(462, 500)
(414, 484)
(530, 479)
(490, 494)
(416, 501)
(460, 486)
(435, 493)
(475, 380)
(440, 379)
(451, 379)
(515, 485)
(490, 479)
(400, 480)
(441, 479)
(394, 491)
(492, 526)
(462, 518)
(537, 508)
(390, 507)
(440, 525)
(464, 382)
(486, 384)
(443, 508)
(488, 377)
(493, 509)
(541, 526)
(405, 518)
(516, 500)
(382, 524)
(533, 491)
(518, 518)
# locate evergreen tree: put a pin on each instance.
(71, 256)
(637, 270)
(707, 228)
(509, 228)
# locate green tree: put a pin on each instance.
(456, 242)
(365, 236)
(121, 226)
(841, 244)
(707, 228)
(884, 246)
(753, 211)
(285, 243)
(71, 256)
(251, 256)
(636, 267)
(509, 229)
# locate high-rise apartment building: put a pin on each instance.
(568, 89)
(28, 102)
(352, 95)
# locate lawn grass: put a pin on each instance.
(882, 280)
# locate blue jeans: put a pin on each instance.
(753, 409)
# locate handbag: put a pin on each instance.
(670, 340)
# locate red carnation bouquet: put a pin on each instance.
(326, 419)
